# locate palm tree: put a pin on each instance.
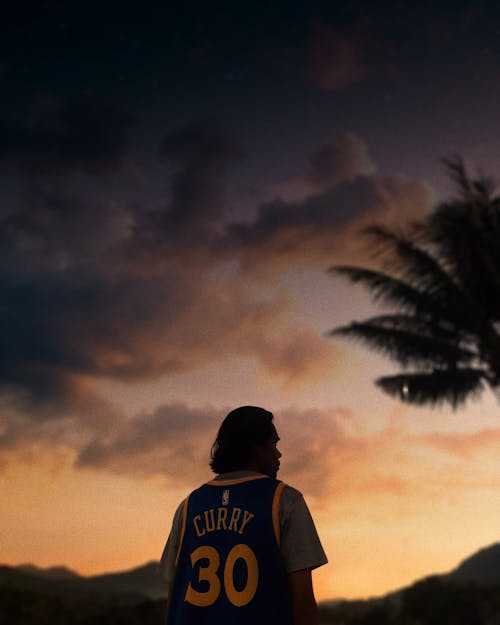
(441, 277)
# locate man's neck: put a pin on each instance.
(237, 474)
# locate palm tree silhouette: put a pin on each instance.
(441, 277)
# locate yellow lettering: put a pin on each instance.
(199, 532)
(206, 573)
(210, 525)
(242, 597)
(210, 580)
(247, 516)
(235, 517)
(221, 518)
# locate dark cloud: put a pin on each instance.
(343, 192)
(174, 442)
(83, 135)
(47, 413)
(73, 323)
(56, 229)
(96, 289)
(80, 301)
(344, 159)
(198, 156)
(287, 225)
(325, 451)
(310, 231)
(61, 328)
(124, 326)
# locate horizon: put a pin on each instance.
(175, 185)
(324, 600)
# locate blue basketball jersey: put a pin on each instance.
(229, 566)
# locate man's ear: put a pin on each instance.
(255, 453)
(257, 450)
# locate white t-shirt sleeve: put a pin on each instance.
(167, 562)
(300, 544)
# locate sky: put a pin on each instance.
(175, 182)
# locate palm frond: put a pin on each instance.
(466, 239)
(455, 167)
(407, 298)
(415, 265)
(432, 328)
(436, 387)
(465, 232)
(390, 290)
(484, 187)
(407, 347)
(480, 188)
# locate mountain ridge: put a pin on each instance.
(137, 584)
(145, 581)
(482, 567)
(52, 572)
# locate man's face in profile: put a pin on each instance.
(268, 455)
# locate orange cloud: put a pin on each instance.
(465, 445)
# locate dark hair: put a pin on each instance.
(239, 433)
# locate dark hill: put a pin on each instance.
(483, 567)
(54, 572)
(138, 584)
(468, 595)
(145, 583)
(144, 580)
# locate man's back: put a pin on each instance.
(229, 563)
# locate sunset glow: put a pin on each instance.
(172, 198)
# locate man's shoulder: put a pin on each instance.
(290, 494)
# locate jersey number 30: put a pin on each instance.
(209, 574)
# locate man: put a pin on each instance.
(242, 546)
